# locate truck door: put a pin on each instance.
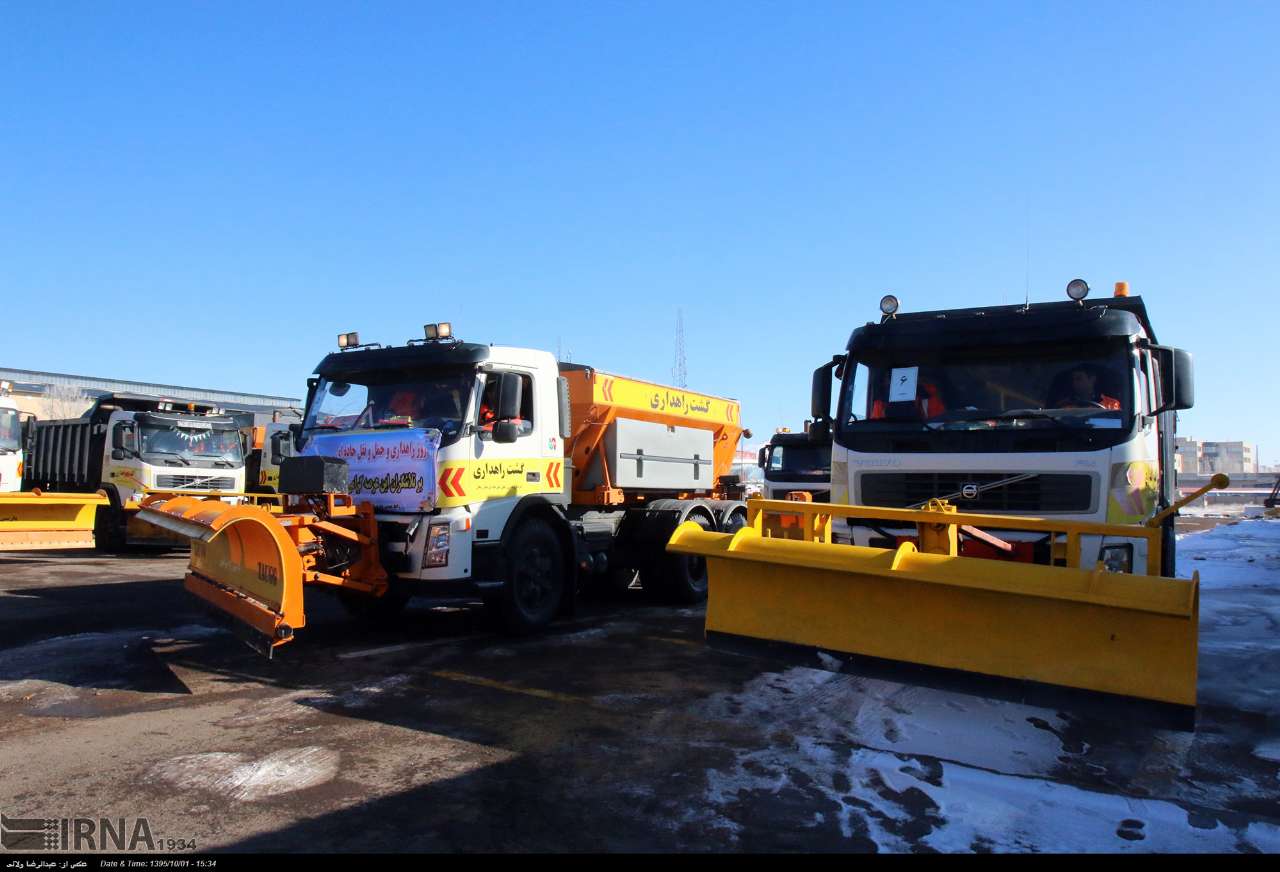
(504, 472)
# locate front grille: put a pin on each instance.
(195, 482)
(1049, 492)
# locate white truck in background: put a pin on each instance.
(10, 443)
(132, 445)
(793, 462)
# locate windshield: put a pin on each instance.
(790, 461)
(10, 432)
(430, 400)
(192, 442)
(1086, 387)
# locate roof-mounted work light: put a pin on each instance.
(1077, 289)
(889, 304)
(348, 340)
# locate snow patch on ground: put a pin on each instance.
(906, 767)
(50, 672)
(1008, 737)
(1239, 568)
(300, 703)
(241, 777)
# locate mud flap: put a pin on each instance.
(35, 520)
(1130, 635)
(243, 563)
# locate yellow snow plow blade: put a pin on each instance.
(1132, 635)
(35, 520)
(251, 564)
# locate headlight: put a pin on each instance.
(438, 545)
(1117, 558)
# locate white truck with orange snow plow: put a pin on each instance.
(462, 469)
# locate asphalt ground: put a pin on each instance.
(617, 730)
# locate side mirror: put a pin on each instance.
(762, 460)
(820, 400)
(281, 445)
(505, 431)
(1177, 379)
(124, 439)
(510, 394)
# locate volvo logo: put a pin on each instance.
(969, 491)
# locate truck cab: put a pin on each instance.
(794, 462)
(132, 445)
(1059, 409)
(485, 458)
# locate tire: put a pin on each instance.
(535, 582)
(108, 529)
(682, 579)
(1168, 550)
(734, 521)
(371, 608)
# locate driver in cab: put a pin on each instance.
(1083, 392)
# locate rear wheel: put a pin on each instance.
(681, 578)
(535, 582)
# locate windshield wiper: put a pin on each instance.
(1015, 414)
(1011, 415)
(184, 460)
(923, 425)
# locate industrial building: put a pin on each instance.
(51, 395)
(1195, 457)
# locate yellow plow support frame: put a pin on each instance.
(251, 562)
(1132, 635)
(34, 520)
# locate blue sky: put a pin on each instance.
(207, 193)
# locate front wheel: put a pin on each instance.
(109, 529)
(535, 582)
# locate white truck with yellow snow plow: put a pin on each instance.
(458, 469)
(1002, 503)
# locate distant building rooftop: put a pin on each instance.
(36, 381)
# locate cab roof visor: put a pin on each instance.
(402, 357)
(1002, 326)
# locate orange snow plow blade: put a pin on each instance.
(252, 564)
(34, 520)
(1133, 635)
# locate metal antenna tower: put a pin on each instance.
(679, 372)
